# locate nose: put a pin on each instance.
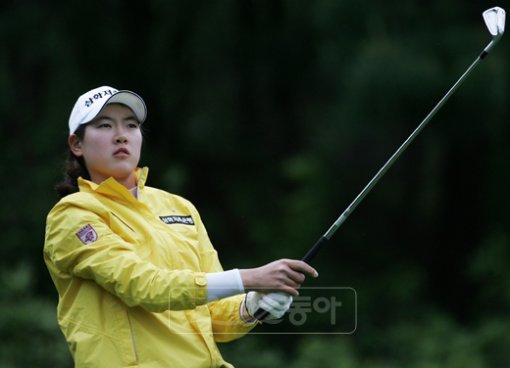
(120, 136)
(120, 139)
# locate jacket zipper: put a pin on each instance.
(132, 337)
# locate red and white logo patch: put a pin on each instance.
(87, 234)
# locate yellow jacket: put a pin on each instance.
(130, 275)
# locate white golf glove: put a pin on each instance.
(276, 304)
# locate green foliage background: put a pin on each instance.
(271, 115)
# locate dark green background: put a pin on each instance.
(271, 116)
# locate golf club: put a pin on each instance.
(495, 21)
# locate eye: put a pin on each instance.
(133, 125)
(102, 124)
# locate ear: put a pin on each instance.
(74, 143)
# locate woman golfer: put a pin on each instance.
(138, 279)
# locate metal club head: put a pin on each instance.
(495, 20)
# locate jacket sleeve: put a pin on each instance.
(114, 264)
(226, 319)
(225, 313)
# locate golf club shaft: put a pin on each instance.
(260, 314)
(341, 219)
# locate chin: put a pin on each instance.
(124, 173)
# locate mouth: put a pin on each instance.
(121, 152)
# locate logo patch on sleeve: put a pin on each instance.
(175, 219)
(87, 234)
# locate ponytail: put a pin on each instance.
(74, 168)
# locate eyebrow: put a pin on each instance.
(106, 117)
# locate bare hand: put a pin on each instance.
(284, 275)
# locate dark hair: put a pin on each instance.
(74, 168)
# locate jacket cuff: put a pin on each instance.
(200, 289)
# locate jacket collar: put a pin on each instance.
(112, 188)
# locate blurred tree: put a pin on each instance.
(271, 116)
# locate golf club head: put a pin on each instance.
(495, 20)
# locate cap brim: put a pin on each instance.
(131, 100)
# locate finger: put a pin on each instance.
(303, 267)
(271, 305)
(278, 297)
(288, 290)
(268, 301)
(296, 277)
(274, 312)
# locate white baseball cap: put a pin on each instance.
(92, 102)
